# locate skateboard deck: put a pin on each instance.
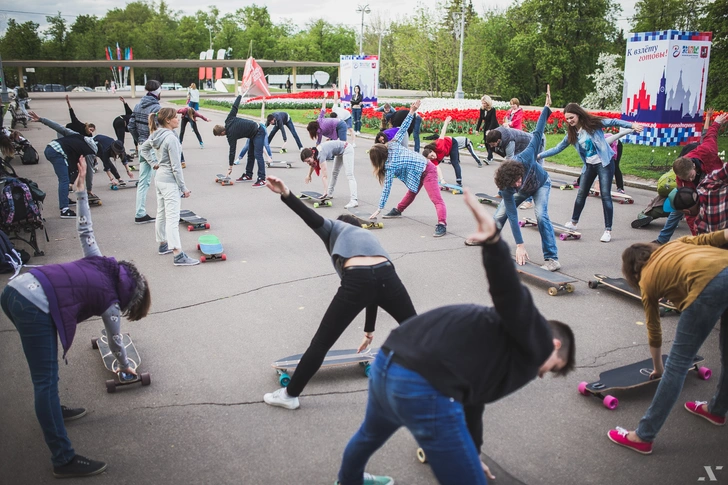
(193, 221)
(556, 281)
(564, 233)
(454, 189)
(621, 198)
(620, 285)
(333, 358)
(129, 184)
(364, 220)
(211, 248)
(315, 199)
(223, 179)
(630, 376)
(279, 163)
(112, 365)
(488, 199)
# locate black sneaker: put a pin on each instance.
(259, 183)
(641, 222)
(392, 214)
(79, 467)
(68, 214)
(69, 414)
(71, 202)
(143, 220)
(440, 230)
(657, 242)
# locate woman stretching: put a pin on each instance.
(343, 154)
(368, 280)
(164, 151)
(692, 273)
(190, 115)
(48, 302)
(394, 160)
(331, 128)
(121, 124)
(444, 147)
(586, 132)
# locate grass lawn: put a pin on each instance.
(638, 160)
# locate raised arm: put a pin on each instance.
(529, 155)
(61, 130)
(233, 111)
(309, 216)
(444, 127)
(402, 133)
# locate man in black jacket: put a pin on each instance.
(236, 128)
(436, 371)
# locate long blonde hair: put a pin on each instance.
(487, 102)
(378, 154)
(193, 86)
(161, 119)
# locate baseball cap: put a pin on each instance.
(680, 199)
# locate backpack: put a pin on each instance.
(666, 183)
(16, 203)
(10, 259)
(29, 155)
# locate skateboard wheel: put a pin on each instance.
(577, 236)
(146, 378)
(553, 291)
(329, 203)
(521, 223)
(380, 225)
(289, 166)
(315, 205)
(367, 369)
(593, 284)
(202, 259)
(223, 257)
(363, 226)
(114, 187)
(284, 379)
(94, 343)
(610, 402)
(198, 247)
(110, 387)
(582, 388)
(563, 237)
(569, 288)
(190, 228)
(705, 373)
(421, 455)
(207, 225)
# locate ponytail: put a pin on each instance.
(161, 119)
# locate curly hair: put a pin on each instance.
(634, 258)
(508, 174)
(378, 155)
(381, 138)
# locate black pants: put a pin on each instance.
(186, 120)
(360, 288)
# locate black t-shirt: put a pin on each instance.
(398, 118)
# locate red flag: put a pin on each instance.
(254, 79)
(107, 55)
(131, 54)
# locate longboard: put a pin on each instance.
(629, 377)
(488, 199)
(333, 358)
(112, 365)
(621, 198)
(315, 198)
(223, 179)
(128, 184)
(193, 221)
(557, 281)
(563, 231)
(365, 222)
(279, 163)
(454, 189)
(620, 285)
(211, 248)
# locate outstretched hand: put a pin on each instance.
(721, 118)
(415, 106)
(486, 228)
(80, 184)
(121, 98)
(277, 185)
(548, 96)
(33, 116)
(68, 101)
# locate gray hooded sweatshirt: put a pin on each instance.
(139, 121)
(164, 152)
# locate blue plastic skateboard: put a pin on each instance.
(455, 189)
(211, 247)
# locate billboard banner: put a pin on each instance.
(665, 79)
(362, 71)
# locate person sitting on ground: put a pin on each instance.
(454, 360)
(343, 155)
(443, 147)
(692, 273)
(48, 302)
(86, 129)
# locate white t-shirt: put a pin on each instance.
(194, 95)
(585, 142)
(341, 113)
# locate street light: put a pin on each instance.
(363, 10)
(210, 31)
(379, 51)
(459, 94)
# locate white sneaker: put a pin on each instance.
(354, 145)
(351, 204)
(606, 237)
(526, 205)
(237, 162)
(551, 265)
(281, 399)
(570, 225)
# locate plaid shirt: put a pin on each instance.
(402, 163)
(713, 201)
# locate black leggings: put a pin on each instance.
(186, 120)
(455, 160)
(365, 286)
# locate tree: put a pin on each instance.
(608, 83)
(714, 19)
(654, 15)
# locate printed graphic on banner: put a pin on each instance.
(665, 79)
(362, 71)
(254, 83)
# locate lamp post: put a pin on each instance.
(210, 31)
(379, 50)
(363, 9)
(459, 94)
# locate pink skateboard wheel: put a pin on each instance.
(563, 237)
(582, 388)
(611, 402)
(705, 373)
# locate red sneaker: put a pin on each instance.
(619, 436)
(696, 408)
(259, 183)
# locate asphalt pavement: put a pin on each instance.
(214, 329)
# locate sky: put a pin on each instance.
(299, 13)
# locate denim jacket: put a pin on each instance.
(604, 151)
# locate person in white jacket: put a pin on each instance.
(164, 150)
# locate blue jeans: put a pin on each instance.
(39, 337)
(416, 133)
(401, 397)
(588, 174)
(60, 166)
(356, 117)
(695, 325)
(193, 105)
(291, 127)
(341, 130)
(247, 145)
(145, 178)
(670, 225)
(541, 208)
(256, 154)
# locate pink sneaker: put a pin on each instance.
(619, 436)
(696, 408)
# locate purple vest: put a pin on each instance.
(82, 289)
